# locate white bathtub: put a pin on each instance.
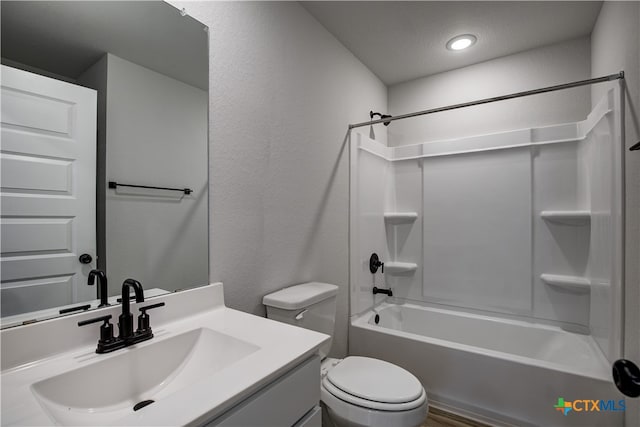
(506, 372)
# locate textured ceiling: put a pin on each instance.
(66, 37)
(401, 41)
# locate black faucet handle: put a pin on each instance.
(106, 330)
(144, 327)
(375, 263)
(107, 342)
(104, 319)
(149, 307)
(76, 308)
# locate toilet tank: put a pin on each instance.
(308, 305)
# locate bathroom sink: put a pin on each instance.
(205, 361)
(101, 392)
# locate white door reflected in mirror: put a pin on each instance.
(48, 191)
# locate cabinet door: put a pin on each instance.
(284, 402)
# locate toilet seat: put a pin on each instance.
(374, 384)
(371, 404)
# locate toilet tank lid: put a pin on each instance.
(300, 296)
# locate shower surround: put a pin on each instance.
(517, 233)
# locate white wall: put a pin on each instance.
(282, 91)
(532, 69)
(615, 46)
(155, 134)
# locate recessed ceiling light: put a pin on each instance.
(461, 42)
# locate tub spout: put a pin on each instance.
(388, 292)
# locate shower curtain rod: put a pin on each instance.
(608, 78)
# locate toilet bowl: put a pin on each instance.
(361, 391)
(355, 391)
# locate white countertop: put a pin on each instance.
(281, 347)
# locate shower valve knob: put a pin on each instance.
(375, 263)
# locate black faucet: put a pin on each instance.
(107, 343)
(125, 321)
(103, 290)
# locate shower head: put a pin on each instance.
(382, 116)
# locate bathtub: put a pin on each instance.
(500, 371)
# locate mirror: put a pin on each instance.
(104, 153)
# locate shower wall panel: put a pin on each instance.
(374, 181)
(405, 239)
(603, 160)
(477, 230)
(560, 248)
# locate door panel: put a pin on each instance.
(36, 174)
(39, 294)
(19, 235)
(23, 107)
(47, 159)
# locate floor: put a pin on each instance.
(440, 418)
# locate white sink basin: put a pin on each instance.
(205, 360)
(102, 392)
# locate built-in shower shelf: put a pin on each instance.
(573, 283)
(567, 217)
(400, 217)
(399, 267)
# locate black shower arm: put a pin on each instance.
(382, 116)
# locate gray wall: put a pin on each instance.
(615, 44)
(155, 134)
(282, 91)
(532, 69)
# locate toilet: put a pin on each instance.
(355, 391)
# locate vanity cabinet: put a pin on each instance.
(290, 400)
